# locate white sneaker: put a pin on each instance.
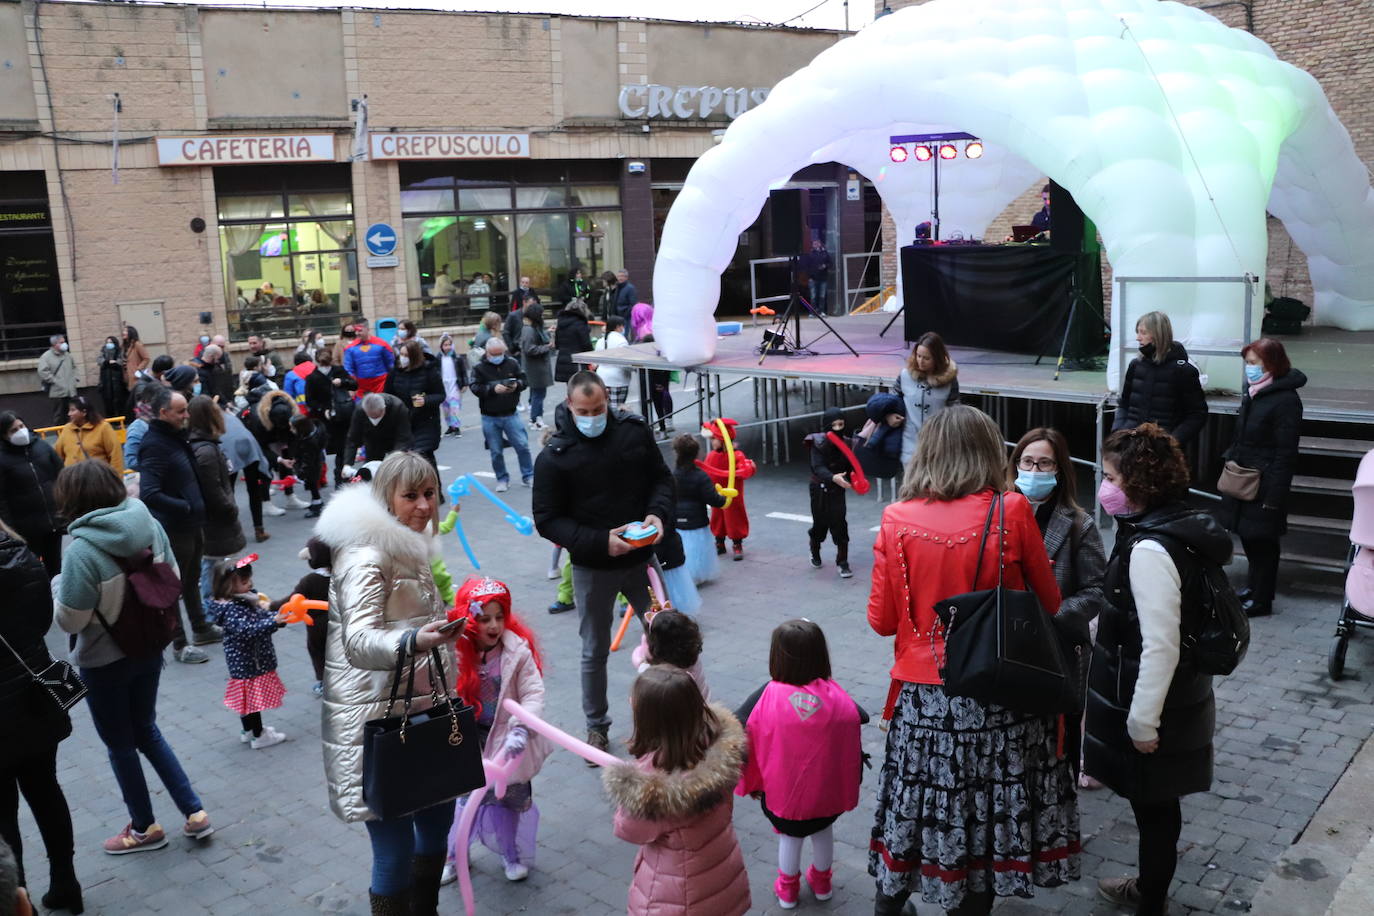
(503, 486)
(295, 502)
(516, 872)
(271, 508)
(555, 572)
(245, 736)
(450, 874)
(269, 737)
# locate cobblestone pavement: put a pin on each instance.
(1285, 735)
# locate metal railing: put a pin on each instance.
(754, 299)
(851, 292)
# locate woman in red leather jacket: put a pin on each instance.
(975, 801)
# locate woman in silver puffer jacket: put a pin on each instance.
(382, 597)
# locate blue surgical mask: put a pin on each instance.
(1036, 485)
(195, 389)
(592, 426)
(1253, 373)
(496, 360)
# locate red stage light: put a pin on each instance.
(974, 149)
(898, 154)
(948, 151)
(923, 153)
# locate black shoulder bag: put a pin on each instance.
(1000, 645)
(414, 761)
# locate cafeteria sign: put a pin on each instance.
(232, 150)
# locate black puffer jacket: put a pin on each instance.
(585, 487)
(27, 474)
(1267, 432)
(424, 420)
(167, 479)
(30, 713)
(571, 335)
(223, 533)
(486, 375)
(694, 493)
(1183, 762)
(1167, 393)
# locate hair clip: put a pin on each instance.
(245, 561)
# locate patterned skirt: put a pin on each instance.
(246, 696)
(972, 798)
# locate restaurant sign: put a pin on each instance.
(687, 103)
(232, 150)
(449, 146)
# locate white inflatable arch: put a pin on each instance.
(1172, 131)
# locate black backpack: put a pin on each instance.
(148, 618)
(1215, 631)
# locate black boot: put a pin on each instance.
(815, 555)
(1253, 607)
(842, 561)
(391, 904)
(973, 904)
(64, 892)
(720, 547)
(425, 872)
(893, 905)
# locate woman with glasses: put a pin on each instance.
(1044, 475)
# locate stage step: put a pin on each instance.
(1311, 561)
(1336, 526)
(1338, 448)
(1325, 486)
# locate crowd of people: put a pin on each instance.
(975, 800)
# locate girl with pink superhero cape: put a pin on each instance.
(804, 755)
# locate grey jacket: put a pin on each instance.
(1077, 573)
(537, 354)
(923, 398)
(382, 588)
(57, 372)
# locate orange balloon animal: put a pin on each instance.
(297, 609)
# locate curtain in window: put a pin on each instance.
(338, 230)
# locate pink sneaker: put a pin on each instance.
(130, 840)
(787, 887)
(819, 882)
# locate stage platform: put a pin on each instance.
(1339, 366)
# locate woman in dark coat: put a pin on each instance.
(572, 335)
(536, 355)
(28, 763)
(416, 380)
(1150, 713)
(223, 533)
(1267, 432)
(329, 399)
(1161, 386)
(28, 469)
(114, 390)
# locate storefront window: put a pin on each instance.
(289, 256)
(30, 295)
(562, 216)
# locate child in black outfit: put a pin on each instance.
(830, 470)
(314, 586)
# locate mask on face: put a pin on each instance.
(496, 360)
(20, 437)
(1113, 499)
(204, 341)
(195, 389)
(374, 420)
(402, 333)
(111, 348)
(268, 368)
(1253, 373)
(1036, 485)
(403, 361)
(64, 346)
(592, 426)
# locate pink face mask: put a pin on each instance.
(1113, 499)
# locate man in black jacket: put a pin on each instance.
(497, 381)
(380, 425)
(600, 473)
(170, 489)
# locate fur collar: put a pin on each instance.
(654, 795)
(941, 380)
(355, 518)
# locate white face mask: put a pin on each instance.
(269, 368)
(20, 437)
(374, 420)
(402, 334)
(403, 361)
(64, 346)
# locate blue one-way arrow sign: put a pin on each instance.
(380, 239)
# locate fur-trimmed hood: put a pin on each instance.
(944, 378)
(355, 517)
(645, 792)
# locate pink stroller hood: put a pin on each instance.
(1362, 524)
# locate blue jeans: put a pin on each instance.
(395, 841)
(537, 403)
(820, 292)
(123, 704)
(207, 567)
(496, 430)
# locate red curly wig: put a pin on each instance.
(468, 602)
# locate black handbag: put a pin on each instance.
(1000, 645)
(417, 760)
(58, 679)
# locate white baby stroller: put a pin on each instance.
(1357, 611)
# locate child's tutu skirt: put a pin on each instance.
(246, 696)
(682, 590)
(700, 547)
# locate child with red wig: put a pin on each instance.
(499, 658)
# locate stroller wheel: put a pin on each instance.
(1335, 659)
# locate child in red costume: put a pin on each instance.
(732, 521)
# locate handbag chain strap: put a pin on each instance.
(16, 654)
(437, 677)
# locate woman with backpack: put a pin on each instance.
(120, 567)
(1151, 712)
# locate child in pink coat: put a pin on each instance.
(804, 755)
(675, 801)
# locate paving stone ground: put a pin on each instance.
(1285, 735)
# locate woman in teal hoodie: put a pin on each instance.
(107, 527)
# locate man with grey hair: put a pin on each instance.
(57, 374)
(497, 381)
(380, 426)
(625, 296)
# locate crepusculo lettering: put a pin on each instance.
(687, 102)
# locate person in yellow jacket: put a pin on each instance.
(88, 435)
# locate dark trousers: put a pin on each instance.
(314, 641)
(1159, 824)
(1263, 557)
(49, 549)
(255, 482)
(59, 410)
(395, 842)
(189, 548)
(35, 775)
(594, 592)
(828, 512)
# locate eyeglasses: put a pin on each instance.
(1037, 464)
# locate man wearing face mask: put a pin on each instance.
(380, 426)
(497, 381)
(57, 373)
(601, 473)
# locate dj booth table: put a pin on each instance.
(1013, 298)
